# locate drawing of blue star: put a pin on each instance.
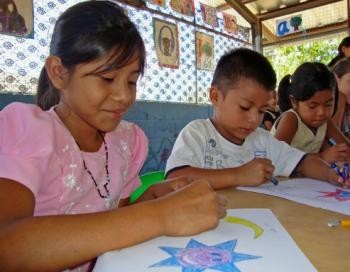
(197, 257)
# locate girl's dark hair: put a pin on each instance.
(345, 42)
(308, 78)
(342, 67)
(6, 5)
(243, 63)
(86, 32)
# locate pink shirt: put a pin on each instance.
(37, 150)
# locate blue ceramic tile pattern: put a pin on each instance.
(22, 58)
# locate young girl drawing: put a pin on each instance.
(342, 116)
(307, 101)
(67, 168)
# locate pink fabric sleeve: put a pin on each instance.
(26, 137)
(139, 154)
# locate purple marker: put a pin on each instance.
(345, 171)
(336, 169)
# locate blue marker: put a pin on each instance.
(337, 169)
(344, 173)
(274, 181)
(262, 154)
(332, 141)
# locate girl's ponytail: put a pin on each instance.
(47, 95)
(284, 102)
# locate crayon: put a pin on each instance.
(335, 223)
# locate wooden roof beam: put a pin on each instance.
(223, 7)
(294, 8)
(268, 35)
(252, 20)
(243, 11)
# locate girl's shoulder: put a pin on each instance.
(20, 116)
(289, 117)
(25, 126)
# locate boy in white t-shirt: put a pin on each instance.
(230, 149)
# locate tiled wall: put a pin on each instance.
(160, 121)
(23, 58)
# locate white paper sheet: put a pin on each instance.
(311, 192)
(255, 242)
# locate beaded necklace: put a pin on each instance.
(106, 194)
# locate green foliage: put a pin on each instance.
(286, 58)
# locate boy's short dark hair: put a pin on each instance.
(243, 63)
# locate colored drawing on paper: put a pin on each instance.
(238, 220)
(197, 257)
(311, 192)
(338, 194)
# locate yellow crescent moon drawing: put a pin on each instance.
(238, 220)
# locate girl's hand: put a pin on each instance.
(164, 187)
(192, 209)
(336, 153)
(337, 180)
(256, 172)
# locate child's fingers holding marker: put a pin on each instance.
(346, 184)
(194, 208)
(341, 151)
(346, 175)
(335, 153)
(221, 201)
(335, 178)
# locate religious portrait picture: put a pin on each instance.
(185, 7)
(205, 51)
(166, 43)
(16, 17)
(209, 15)
(230, 23)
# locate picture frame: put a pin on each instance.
(16, 18)
(204, 51)
(166, 43)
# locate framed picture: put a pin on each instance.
(205, 51)
(16, 17)
(166, 43)
(230, 23)
(160, 3)
(185, 7)
(209, 15)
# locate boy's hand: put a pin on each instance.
(191, 209)
(256, 172)
(336, 153)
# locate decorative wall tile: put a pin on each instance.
(21, 59)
